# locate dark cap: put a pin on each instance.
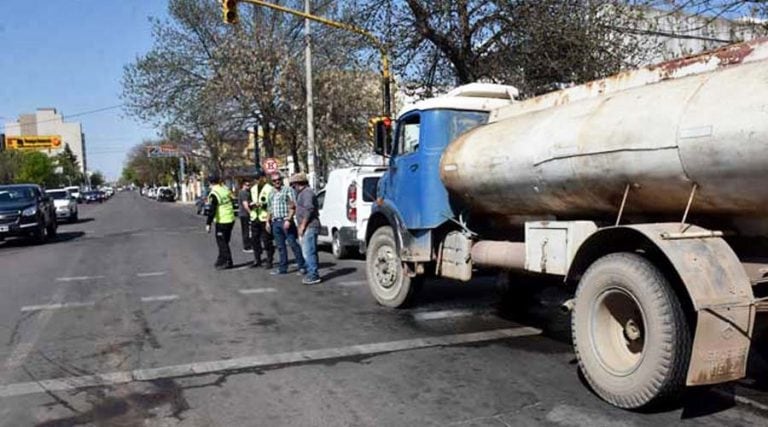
(214, 179)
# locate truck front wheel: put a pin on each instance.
(630, 333)
(387, 279)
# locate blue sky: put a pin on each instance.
(69, 54)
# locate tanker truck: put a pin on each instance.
(646, 192)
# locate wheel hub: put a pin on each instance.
(618, 331)
(385, 268)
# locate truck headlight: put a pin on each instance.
(30, 211)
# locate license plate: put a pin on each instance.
(3, 228)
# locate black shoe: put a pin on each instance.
(256, 265)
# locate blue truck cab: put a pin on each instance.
(412, 202)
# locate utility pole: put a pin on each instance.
(311, 172)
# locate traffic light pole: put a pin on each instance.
(385, 72)
(311, 165)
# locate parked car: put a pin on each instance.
(26, 211)
(102, 196)
(346, 206)
(75, 191)
(165, 194)
(91, 197)
(65, 204)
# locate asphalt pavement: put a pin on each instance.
(122, 320)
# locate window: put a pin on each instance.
(369, 188)
(408, 135)
(320, 199)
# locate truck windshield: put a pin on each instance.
(460, 122)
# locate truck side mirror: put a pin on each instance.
(382, 135)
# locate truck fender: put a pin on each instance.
(384, 214)
(710, 282)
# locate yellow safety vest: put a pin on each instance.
(225, 212)
(261, 196)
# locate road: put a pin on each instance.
(123, 321)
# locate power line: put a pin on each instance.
(83, 113)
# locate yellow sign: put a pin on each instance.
(41, 142)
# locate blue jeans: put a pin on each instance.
(281, 236)
(309, 250)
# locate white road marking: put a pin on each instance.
(741, 399)
(57, 306)
(78, 278)
(444, 314)
(139, 234)
(159, 298)
(250, 362)
(257, 291)
(353, 283)
(152, 274)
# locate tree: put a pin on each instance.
(10, 161)
(36, 168)
(212, 81)
(535, 45)
(97, 179)
(70, 171)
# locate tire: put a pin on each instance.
(39, 236)
(385, 273)
(51, 229)
(75, 217)
(630, 334)
(339, 251)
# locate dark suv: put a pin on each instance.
(26, 211)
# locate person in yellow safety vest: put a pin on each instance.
(261, 238)
(222, 212)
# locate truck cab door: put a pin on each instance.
(405, 169)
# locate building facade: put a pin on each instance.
(47, 121)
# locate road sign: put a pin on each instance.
(33, 142)
(155, 151)
(271, 165)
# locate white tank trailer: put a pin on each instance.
(648, 193)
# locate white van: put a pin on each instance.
(345, 205)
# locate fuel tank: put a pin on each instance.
(658, 131)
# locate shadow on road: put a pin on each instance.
(61, 237)
(338, 273)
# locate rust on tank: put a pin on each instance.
(728, 55)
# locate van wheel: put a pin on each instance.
(339, 251)
(630, 333)
(385, 272)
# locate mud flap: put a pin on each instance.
(721, 294)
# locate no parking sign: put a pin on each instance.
(271, 165)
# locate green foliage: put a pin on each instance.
(9, 166)
(97, 179)
(70, 171)
(36, 168)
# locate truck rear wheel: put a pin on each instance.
(630, 333)
(389, 283)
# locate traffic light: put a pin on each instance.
(229, 9)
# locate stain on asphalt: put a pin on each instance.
(146, 331)
(129, 409)
(14, 338)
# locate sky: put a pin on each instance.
(69, 55)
